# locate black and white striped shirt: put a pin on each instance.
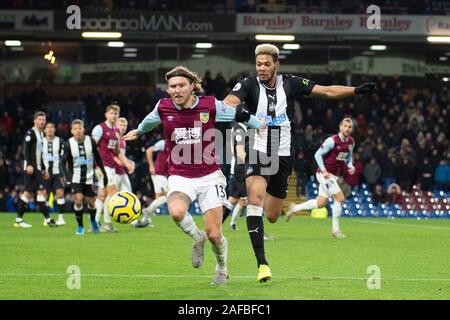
(275, 105)
(78, 160)
(51, 154)
(33, 149)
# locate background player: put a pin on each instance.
(33, 174)
(106, 136)
(333, 155)
(159, 173)
(53, 179)
(77, 164)
(271, 97)
(238, 194)
(193, 169)
(123, 181)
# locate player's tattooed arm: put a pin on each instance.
(99, 162)
(226, 113)
(341, 92)
(66, 159)
(351, 168)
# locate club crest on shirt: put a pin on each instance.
(204, 117)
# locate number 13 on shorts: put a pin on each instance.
(220, 191)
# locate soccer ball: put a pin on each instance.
(124, 207)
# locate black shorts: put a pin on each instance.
(86, 189)
(34, 182)
(237, 189)
(277, 177)
(53, 182)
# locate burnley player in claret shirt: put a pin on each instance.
(194, 170)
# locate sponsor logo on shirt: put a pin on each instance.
(272, 121)
(188, 135)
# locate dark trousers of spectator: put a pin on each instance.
(405, 185)
(301, 186)
(443, 186)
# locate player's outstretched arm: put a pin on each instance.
(226, 113)
(341, 92)
(151, 121)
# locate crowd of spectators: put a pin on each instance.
(422, 7)
(402, 136)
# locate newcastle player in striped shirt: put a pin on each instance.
(271, 96)
(77, 164)
(33, 174)
(53, 180)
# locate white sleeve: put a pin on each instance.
(159, 146)
(97, 133)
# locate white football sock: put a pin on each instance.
(336, 208)
(99, 210)
(236, 213)
(153, 206)
(308, 205)
(106, 216)
(229, 205)
(220, 249)
(187, 225)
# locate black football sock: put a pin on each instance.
(41, 206)
(226, 213)
(92, 213)
(22, 206)
(255, 226)
(79, 215)
(227, 208)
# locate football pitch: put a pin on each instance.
(412, 257)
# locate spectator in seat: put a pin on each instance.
(378, 195)
(425, 175)
(395, 194)
(353, 180)
(372, 173)
(300, 168)
(442, 176)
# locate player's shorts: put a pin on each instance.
(328, 187)
(34, 182)
(210, 190)
(123, 182)
(160, 183)
(86, 189)
(110, 173)
(54, 181)
(237, 188)
(277, 180)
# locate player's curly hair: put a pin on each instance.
(181, 71)
(269, 49)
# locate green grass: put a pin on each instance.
(154, 263)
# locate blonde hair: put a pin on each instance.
(77, 121)
(114, 107)
(123, 119)
(193, 77)
(269, 49)
(346, 120)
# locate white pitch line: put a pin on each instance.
(315, 278)
(403, 225)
